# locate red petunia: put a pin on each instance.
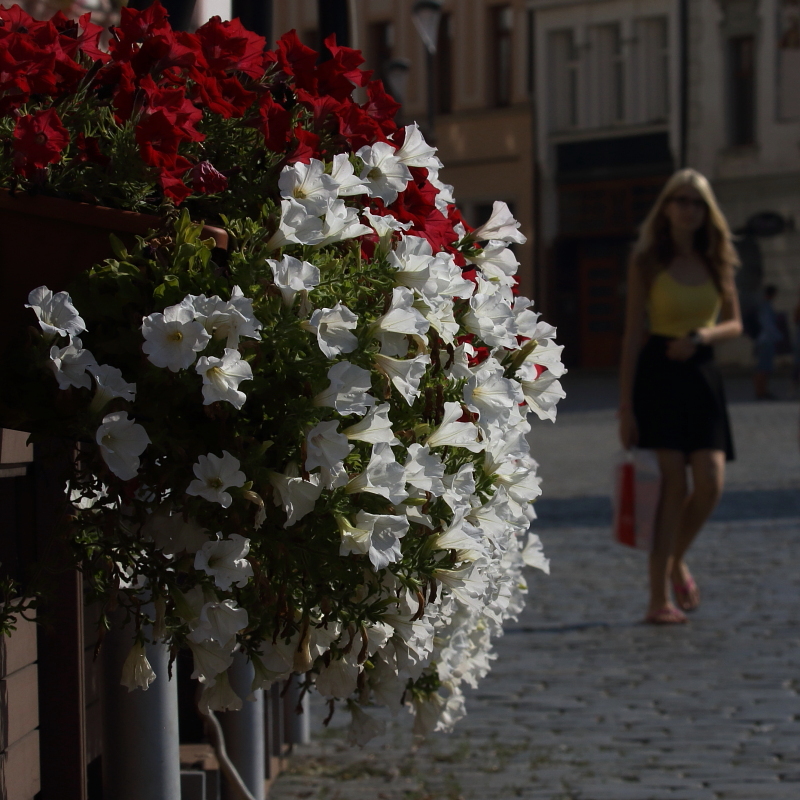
(207, 179)
(274, 122)
(324, 110)
(358, 127)
(224, 96)
(229, 46)
(337, 76)
(298, 60)
(307, 147)
(159, 138)
(89, 150)
(381, 106)
(39, 140)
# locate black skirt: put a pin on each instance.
(680, 405)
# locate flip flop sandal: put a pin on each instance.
(687, 595)
(669, 615)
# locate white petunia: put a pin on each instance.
(385, 175)
(385, 224)
(291, 275)
(363, 727)
(121, 442)
(412, 259)
(222, 376)
(326, 447)
(382, 476)
(501, 225)
(220, 622)
(440, 314)
(332, 328)
(296, 226)
(463, 536)
(342, 172)
(374, 535)
(340, 223)
(466, 583)
(340, 677)
(173, 534)
(110, 384)
(490, 394)
(70, 364)
(541, 393)
(136, 671)
(55, 312)
(174, 338)
(308, 185)
(214, 474)
(405, 374)
(490, 318)
(210, 660)
(444, 191)
(219, 696)
(224, 560)
(424, 470)
(547, 353)
(297, 495)
(533, 554)
(415, 151)
(348, 390)
(448, 278)
(497, 262)
(452, 433)
(375, 427)
(459, 486)
(226, 319)
(458, 368)
(400, 321)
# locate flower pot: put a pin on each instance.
(49, 241)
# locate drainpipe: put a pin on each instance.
(141, 754)
(683, 32)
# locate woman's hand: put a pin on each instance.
(628, 432)
(681, 349)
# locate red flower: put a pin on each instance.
(298, 60)
(324, 110)
(274, 123)
(337, 75)
(171, 180)
(79, 35)
(89, 150)
(381, 106)
(230, 46)
(307, 146)
(207, 179)
(39, 140)
(224, 96)
(358, 127)
(158, 139)
(174, 104)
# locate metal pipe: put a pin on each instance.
(141, 753)
(244, 731)
(297, 726)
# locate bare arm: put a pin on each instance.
(729, 325)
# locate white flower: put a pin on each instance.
(405, 374)
(452, 433)
(385, 175)
(226, 319)
(444, 191)
(136, 671)
(110, 384)
(173, 338)
(466, 584)
(541, 393)
(448, 279)
(497, 262)
(426, 713)
(382, 476)
(172, 533)
(121, 442)
(439, 313)
(412, 259)
(344, 175)
(222, 376)
(332, 327)
(424, 470)
(326, 447)
(493, 396)
(415, 151)
(375, 535)
(224, 560)
(55, 312)
(214, 474)
(363, 727)
(340, 677)
(375, 427)
(547, 353)
(220, 622)
(297, 496)
(400, 321)
(491, 319)
(461, 535)
(348, 390)
(533, 554)
(501, 225)
(219, 696)
(308, 185)
(385, 224)
(459, 486)
(340, 223)
(210, 660)
(292, 276)
(296, 226)
(70, 364)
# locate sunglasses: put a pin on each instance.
(689, 202)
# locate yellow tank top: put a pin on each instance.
(675, 309)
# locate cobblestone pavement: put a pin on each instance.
(585, 702)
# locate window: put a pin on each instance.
(652, 46)
(563, 57)
(788, 60)
(741, 90)
(380, 46)
(444, 65)
(608, 74)
(500, 22)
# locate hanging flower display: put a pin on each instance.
(312, 448)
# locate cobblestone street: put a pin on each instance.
(585, 702)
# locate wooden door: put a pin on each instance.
(601, 301)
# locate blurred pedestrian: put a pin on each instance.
(681, 299)
(766, 343)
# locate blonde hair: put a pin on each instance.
(655, 248)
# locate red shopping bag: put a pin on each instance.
(637, 488)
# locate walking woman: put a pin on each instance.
(681, 300)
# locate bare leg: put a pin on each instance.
(668, 521)
(708, 476)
